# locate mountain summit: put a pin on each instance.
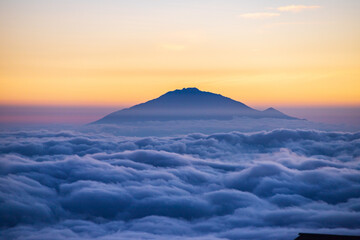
(189, 104)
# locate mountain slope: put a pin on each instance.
(189, 104)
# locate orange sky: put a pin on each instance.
(283, 53)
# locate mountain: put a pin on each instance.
(189, 104)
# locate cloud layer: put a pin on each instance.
(78, 185)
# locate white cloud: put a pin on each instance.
(289, 8)
(296, 8)
(259, 15)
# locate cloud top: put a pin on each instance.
(85, 185)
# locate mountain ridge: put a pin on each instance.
(189, 104)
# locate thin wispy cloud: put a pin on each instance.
(297, 8)
(277, 24)
(289, 8)
(259, 15)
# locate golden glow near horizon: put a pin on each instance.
(295, 53)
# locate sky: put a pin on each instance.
(283, 53)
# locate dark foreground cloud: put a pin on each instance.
(78, 185)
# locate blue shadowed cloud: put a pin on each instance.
(86, 185)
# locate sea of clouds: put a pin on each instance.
(81, 184)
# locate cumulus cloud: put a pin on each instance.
(297, 8)
(95, 185)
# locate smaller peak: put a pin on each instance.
(270, 109)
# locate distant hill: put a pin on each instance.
(189, 104)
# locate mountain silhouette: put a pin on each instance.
(189, 104)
